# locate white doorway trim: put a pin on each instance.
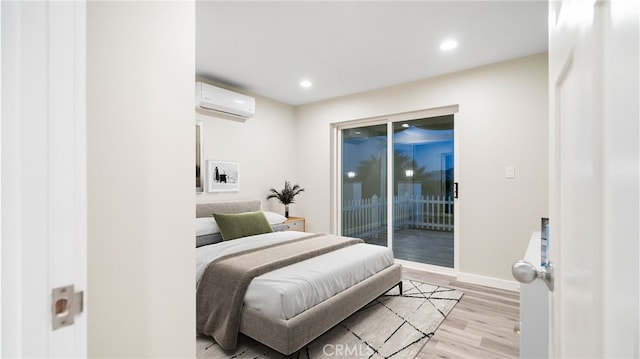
(43, 174)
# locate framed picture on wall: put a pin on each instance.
(199, 171)
(223, 176)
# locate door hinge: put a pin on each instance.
(455, 190)
(65, 305)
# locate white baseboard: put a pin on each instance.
(427, 267)
(464, 277)
(489, 281)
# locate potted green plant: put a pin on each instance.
(286, 195)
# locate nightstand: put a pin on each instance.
(296, 224)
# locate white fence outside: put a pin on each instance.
(366, 218)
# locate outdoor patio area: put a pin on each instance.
(419, 245)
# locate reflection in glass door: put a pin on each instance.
(364, 183)
(423, 191)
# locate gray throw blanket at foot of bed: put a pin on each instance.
(221, 292)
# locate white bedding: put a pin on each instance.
(288, 291)
(206, 254)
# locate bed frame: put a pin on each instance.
(289, 336)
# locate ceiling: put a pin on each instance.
(268, 48)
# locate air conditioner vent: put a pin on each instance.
(212, 99)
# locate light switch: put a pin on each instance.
(510, 172)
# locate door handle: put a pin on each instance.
(525, 272)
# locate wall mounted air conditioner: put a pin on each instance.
(211, 100)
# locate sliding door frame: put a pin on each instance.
(336, 174)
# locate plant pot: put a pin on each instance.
(286, 211)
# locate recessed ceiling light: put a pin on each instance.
(306, 83)
(405, 125)
(448, 45)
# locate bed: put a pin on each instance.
(288, 304)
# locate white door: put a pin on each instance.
(43, 177)
(593, 82)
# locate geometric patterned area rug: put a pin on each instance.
(392, 326)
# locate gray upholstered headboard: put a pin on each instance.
(228, 207)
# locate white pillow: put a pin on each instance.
(206, 225)
(274, 218)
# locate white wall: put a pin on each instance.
(502, 121)
(264, 145)
(140, 66)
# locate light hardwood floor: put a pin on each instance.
(482, 325)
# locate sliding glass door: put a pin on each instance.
(423, 184)
(399, 192)
(364, 183)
